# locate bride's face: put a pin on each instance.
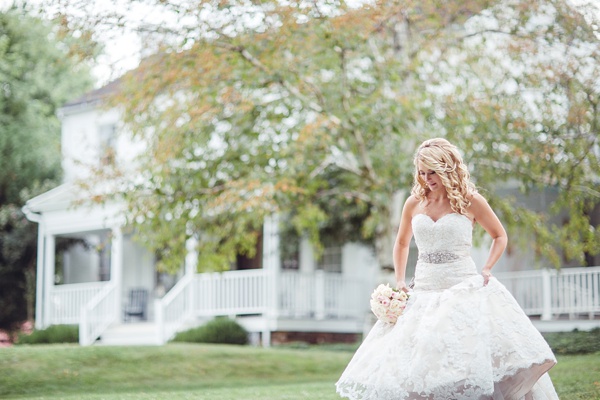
(433, 180)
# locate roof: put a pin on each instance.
(93, 98)
(96, 95)
(90, 99)
(56, 198)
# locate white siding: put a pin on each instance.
(82, 142)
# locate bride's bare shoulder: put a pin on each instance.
(412, 201)
(410, 205)
(477, 199)
(478, 207)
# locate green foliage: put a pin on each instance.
(38, 73)
(536, 124)
(17, 266)
(52, 334)
(219, 330)
(315, 112)
(576, 342)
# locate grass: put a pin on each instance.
(174, 371)
(577, 377)
(192, 371)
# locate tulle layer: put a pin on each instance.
(467, 341)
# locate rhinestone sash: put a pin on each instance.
(438, 257)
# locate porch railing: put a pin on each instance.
(231, 292)
(546, 294)
(550, 294)
(291, 294)
(321, 295)
(98, 314)
(66, 301)
(174, 308)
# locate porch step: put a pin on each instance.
(131, 334)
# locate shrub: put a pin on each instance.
(52, 334)
(218, 330)
(575, 342)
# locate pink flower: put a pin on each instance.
(387, 303)
(5, 339)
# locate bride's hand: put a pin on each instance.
(401, 285)
(487, 274)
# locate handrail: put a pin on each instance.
(67, 299)
(177, 289)
(174, 308)
(97, 315)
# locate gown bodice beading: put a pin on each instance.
(444, 251)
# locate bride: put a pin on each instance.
(462, 335)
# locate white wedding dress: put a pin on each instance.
(457, 338)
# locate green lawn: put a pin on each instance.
(187, 371)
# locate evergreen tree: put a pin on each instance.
(40, 69)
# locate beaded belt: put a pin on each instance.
(438, 257)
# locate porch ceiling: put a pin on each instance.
(83, 234)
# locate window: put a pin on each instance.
(243, 261)
(108, 144)
(331, 260)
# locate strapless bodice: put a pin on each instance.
(443, 241)
(444, 252)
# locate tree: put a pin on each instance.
(39, 70)
(541, 120)
(314, 110)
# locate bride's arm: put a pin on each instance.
(485, 216)
(402, 243)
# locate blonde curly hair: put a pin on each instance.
(442, 157)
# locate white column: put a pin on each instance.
(306, 273)
(116, 267)
(191, 256)
(159, 318)
(271, 256)
(272, 267)
(266, 338)
(546, 295)
(39, 277)
(307, 256)
(191, 266)
(320, 294)
(49, 268)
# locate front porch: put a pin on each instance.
(266, 301)
(262, 300)
(554, 295)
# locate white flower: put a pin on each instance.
(387, 303)
(395, 305)
(387, 291)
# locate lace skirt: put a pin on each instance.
(457, 339)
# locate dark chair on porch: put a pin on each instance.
(137, 304)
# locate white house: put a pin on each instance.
(89, 263)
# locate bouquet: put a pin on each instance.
(387, 303)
